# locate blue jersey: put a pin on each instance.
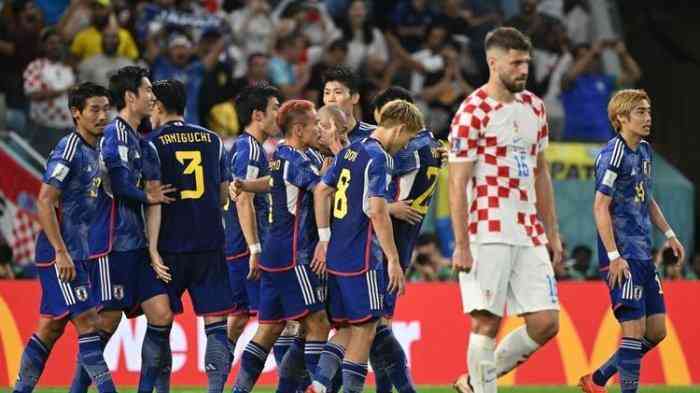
(361, 131)
(359, 172)
(625, 175)
(72, 168)
(316, 157)
(292, 233)
(193, 160)
(416, 171)
(248, 161)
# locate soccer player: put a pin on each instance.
(624, 211)
(70, 182)
(498, 138)
(246, 219)
(289, 290)
(122, 274)
(361, 238)
(341, 87)
(190, 237)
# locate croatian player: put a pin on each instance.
(341, 87)
(498, 137)
(70, 183)
(289, 289)
(122, 274)
(624, 211)
(246, 219)
(190, 237)
(360, 238)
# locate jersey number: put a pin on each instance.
(340, 202)
(421, 202)
(193, 167)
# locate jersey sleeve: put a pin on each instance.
(301, 174)
(406, 160)
(115, 148)
(330, 178)
(607, 168)
(151, 161)
(464, 133)
(59, 166)
(378, 178)
(246, 162)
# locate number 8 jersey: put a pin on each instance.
(359, 172)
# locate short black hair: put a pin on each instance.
(126, 79)
(391, 93)
(338, 44)
(507, 38)
(343, 75)
(79, 94)
(254, 98)
(582, 248)
(171, 93)
(427, 238)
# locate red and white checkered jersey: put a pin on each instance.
(503, 140)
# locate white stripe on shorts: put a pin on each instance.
(65, 289)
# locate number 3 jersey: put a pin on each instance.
(503, 140)
(359, 172)
(624, 175)
(193, 160)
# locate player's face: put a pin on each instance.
(401, 138)
(512, 68)
(337, 93)
(327, 130)
(639, 120)
(309, 130)
(144, 101)
(269, 121)
(94, 116)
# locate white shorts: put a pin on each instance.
(520, 277)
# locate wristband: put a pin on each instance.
(324, 234)
(255, 248)
(670, 234)
(613, 255)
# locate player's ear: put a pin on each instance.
(355, 98)
(74, 111)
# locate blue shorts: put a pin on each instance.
(356, 299)
(60, 299)
(122, 280)
(205, 277)
(290, 295)
(245, 293)
(640, 295)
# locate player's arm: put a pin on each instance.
(546, 207)
(249, 225)
(322, 213)
(618, 268)
(256, 186)
(459, 176)
(153, 221)
(381, 222)
(657, 217)
(47, 202)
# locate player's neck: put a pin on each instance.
(633, 140)
(352, 123)
(382, 135)
(132, 119)
(89, 138)
(295, 143)
(256, 131)
(495, 89)
(171, 118)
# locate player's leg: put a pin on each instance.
(91, 348)
(357, 355)
(316, 328)
(37, 351)
(239, 317)
(284, 342)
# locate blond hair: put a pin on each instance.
(338, 117)
(622, 103)
(401, 112)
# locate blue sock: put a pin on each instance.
(312, 353)
(336, 383)
(81, 379)
(252, 364)
(609, 368)
(217, 358)
(232, 348)
(328, 364)
(155, 362)
(32, 365)
(629, 357)
(354, 376)
(90, 351)
(389, 360)
(292, 368)
(280, 348)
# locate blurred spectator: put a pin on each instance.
(88, 42)
(52, 9)
(285, 69)
(256, 72)
(217, 83)
(694, 271)
(19, 45)
(366, 43)
(75, 18)
(308, 17)
(579, 265)
(169, 16)
(6, 264)
(577, 21)
(411, 20)
(428, 262)
(534, 24)
(46, 82)
(586, 90)
(671, 268)
(252, 27)
(335, 55)
(99, 68)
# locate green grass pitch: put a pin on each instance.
(439, 389)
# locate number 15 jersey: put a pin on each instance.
(359, 172)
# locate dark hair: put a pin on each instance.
(126, 79)
(391, 93)
(79, 94)
(668, 257)
(427, 238)
(47, 32)
(253, 55)
(343, 75)
(254, 98)
(171, 93)
(507, 38)
(367, 26)
(581, 248)
(5, 254)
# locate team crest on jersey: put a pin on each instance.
(118, 292)
(646, 167)
(81, 293)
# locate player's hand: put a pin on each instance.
(159, 194)
(397, 281)
(444, 154)
(462, 260)
(405, 212)
(253, 265)
(162, 270)
(318, 263)
(619, 270)
(65, 266)
(235, 189)
(556, 248)
(678, 250)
